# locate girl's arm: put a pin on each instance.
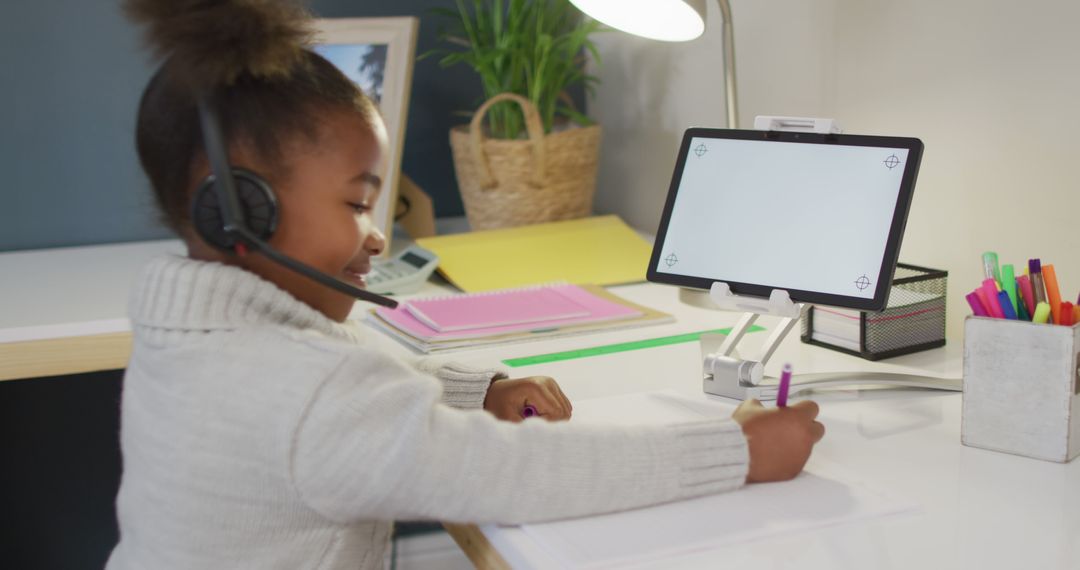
(464, 387)
(376, 443)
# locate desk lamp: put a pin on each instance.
(671, 21)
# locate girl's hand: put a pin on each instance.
(506, 399)
(780, 439)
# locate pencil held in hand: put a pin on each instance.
(785, 385)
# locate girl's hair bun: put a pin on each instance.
(211, 43)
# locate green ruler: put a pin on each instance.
(613, 348)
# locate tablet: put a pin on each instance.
(819, 215)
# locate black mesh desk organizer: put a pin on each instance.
(913, 321)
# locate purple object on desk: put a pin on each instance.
(785, 385)
(529, 411)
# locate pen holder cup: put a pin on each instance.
(1022, 388)
(914, 319)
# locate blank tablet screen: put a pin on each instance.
(818, 215)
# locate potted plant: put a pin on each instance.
(527, 156)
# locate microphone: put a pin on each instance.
(310, 272)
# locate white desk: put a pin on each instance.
(979, 509)
(64, 310)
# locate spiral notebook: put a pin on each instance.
(605, 312)
(526, 306)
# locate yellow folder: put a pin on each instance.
(601, 250)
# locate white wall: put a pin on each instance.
(991, 87)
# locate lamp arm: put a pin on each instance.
(730, 96)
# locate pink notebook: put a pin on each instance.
(495, 309)
(598, 309)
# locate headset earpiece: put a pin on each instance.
(257, 202)
(250, 210)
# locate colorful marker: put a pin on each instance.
(988, 294)
(1008, 284)
(529, 411)
(1022, 312)
(1006, 305)
(785, 385)
(1027, 293)
(1076, 313)
(990, 267)
(976, 305)
(1066, 314)
(1035, 271)
(1053, 294)
(1042, 312)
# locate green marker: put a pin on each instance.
(1008, 283)
(990, 268)
(1022, 313)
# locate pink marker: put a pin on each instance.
(785, 385)
(989, 293)
(981, 294)
(529, 411)
(976, 305)
(1024, 282)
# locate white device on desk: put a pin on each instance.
(403, 273)
(789, 216)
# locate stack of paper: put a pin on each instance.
(513, 315)
(908, 320)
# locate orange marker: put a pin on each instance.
(1076, 314)
(1053, 294)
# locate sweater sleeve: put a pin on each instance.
(464, 387)
(376, 443)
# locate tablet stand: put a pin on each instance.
(730, 376)
(726, 374)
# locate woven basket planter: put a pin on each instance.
(544, 178)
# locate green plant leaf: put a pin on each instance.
(535, 48)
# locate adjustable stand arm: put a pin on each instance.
(723, 367)
(725, 374)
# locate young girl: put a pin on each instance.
(260, 429)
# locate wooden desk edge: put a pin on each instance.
(60, 356)
(476, 546)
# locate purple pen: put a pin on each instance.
(529, 411)
(785, 385)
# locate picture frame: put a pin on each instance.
(378, 55)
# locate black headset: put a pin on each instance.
(235, 209)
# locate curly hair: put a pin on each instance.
(251, 60)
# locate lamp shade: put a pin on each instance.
(665, 20)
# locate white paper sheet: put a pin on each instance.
(822, 496)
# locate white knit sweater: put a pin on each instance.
(256, 433)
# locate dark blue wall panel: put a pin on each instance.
(72, 72)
